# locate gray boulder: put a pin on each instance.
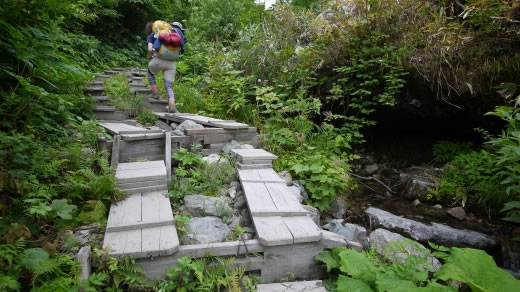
(438, 233)
(371, 169)
(338, 208)
(303, 192)
(205, 230)
(240, 202)
(349, 231)
(245, 218)
(386, 244)
(231, 145)
(179, 130)
(286, 176)
(457, 212)
(416, 187)
(214, 158)
(199, 205)
(313, 213)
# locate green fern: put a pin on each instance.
(8, 283)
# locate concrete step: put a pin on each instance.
(109, 113)
(94, 90)
(102, 100)
(96, 83)
(142, 91)
(147, 189)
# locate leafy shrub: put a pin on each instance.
(147, 117)
(366, 272)
(119, 91)
(444, 151)
(325, 177)
(207, 274)
(195, 176)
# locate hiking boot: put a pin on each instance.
(172, 109)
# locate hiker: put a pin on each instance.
(163, 55)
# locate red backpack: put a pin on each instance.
(173, 38)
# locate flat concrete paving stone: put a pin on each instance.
(253, 154)
(259, 175)
(272, 231)
(303, 229)
(304, 286)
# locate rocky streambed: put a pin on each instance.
(392, 205)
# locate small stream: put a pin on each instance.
(398, 143)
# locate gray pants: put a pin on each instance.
(168, 67)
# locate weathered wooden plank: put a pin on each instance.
(150, 245)
(156, 152)
(180, 139)
(258, 199)
(156, 207)
(253, 154)
(205, 131)
(147, 189)
(272, 231)
(141, 184)
(115, 151)
(168, 156)
(142, 131)
(259, 175)
(137, 175)
(140, 156)
(140, 165)
(217, 138)
(143, 145)
(169, 241)
(257, 161)
(211, 151)
(254, 166)
(303, 229)
(304, 286)
(284, 200)
(115, 242)
(126, 212)
(133, 243)
(228, 125)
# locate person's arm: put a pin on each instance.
(150, 50)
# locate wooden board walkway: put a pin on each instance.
(122, 128)
(212, 122)
(141, 226)
(145, 176)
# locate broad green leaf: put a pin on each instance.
(33, 256)
(478, 270)
(356, 264)
(327, 257)
(346, 284)
(63, 209)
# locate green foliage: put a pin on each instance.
(195, 176)
(366, 272)
(207, 274)
(444, 151)
(476, 269)
(147, 117)
(115, 275)
(119, 91)
(324, 177)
